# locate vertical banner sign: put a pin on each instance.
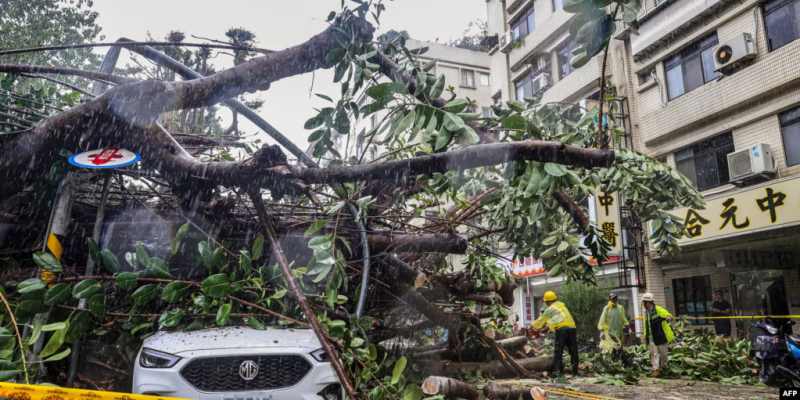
(608, 221)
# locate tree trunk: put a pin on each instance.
(449, 388)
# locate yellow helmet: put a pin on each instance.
(550, 296)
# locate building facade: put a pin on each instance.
(532, 59)
(714, 90)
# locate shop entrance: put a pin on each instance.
(761, 292)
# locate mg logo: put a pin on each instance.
(248, 370)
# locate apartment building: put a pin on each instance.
(714, 90)
(532, 59)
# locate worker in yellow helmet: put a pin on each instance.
(556, 318)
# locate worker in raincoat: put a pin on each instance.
(612, 324)
(557, 318)
(657, 333)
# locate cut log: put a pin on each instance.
(449, 388)
(495, 368)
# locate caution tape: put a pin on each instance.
(16, 391)
(576, 394)
(793, 316)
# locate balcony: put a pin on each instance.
(545, 33)
(514, 5)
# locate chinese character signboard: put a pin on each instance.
(764, 207)
(608, 222)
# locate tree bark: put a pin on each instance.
(449, 388)
(480, 155)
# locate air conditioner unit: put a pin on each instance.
(541, 82)
(753, 162)
(734, 52)
(506, 42)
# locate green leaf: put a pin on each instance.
(386, 90)
(110, 261)
(258, 247)
(438, 87)
(47, 261)
(54, 343)
(315, 227)
(453, 123)
(468, 136)
(399, 368)
(278, 294)
(356, 342)
(335, 55)
(171, 318)
(317, 135)
(255, 323)
(97, 305)
(442, 139)
(30, 285)
(37, 331)
(404, 123)
(314, 122)
(144, 294)
(223, 314)
(216, 285)
(456, 105)
(94, 250)
(174, 291)
(127, 280)
(179, 235)
(58, 293)
(157, 268)
(86, 288)
(412, 392)
(514, 121)
(59, 356)
(142, 258)
(556, 170)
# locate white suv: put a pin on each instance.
(236, 363)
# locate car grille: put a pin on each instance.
(221, 374)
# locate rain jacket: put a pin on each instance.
(613, 321)
(661, 315)
(556, 316)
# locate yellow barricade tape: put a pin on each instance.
(576, 394)
(16, 391)
(794, 316)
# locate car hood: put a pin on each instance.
(231, 338)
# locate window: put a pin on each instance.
(558, 5)
(706, 163)
(532, 84)
(692, 67)
(523, 25)
(645, 76)
(781, 22)
(564, 52)
(693, 297)
(468, 78)
(484, 79)
(790, 128)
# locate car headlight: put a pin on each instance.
(157, 359)
(320, 355)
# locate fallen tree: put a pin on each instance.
(376, 231)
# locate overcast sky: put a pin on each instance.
(279, 24)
